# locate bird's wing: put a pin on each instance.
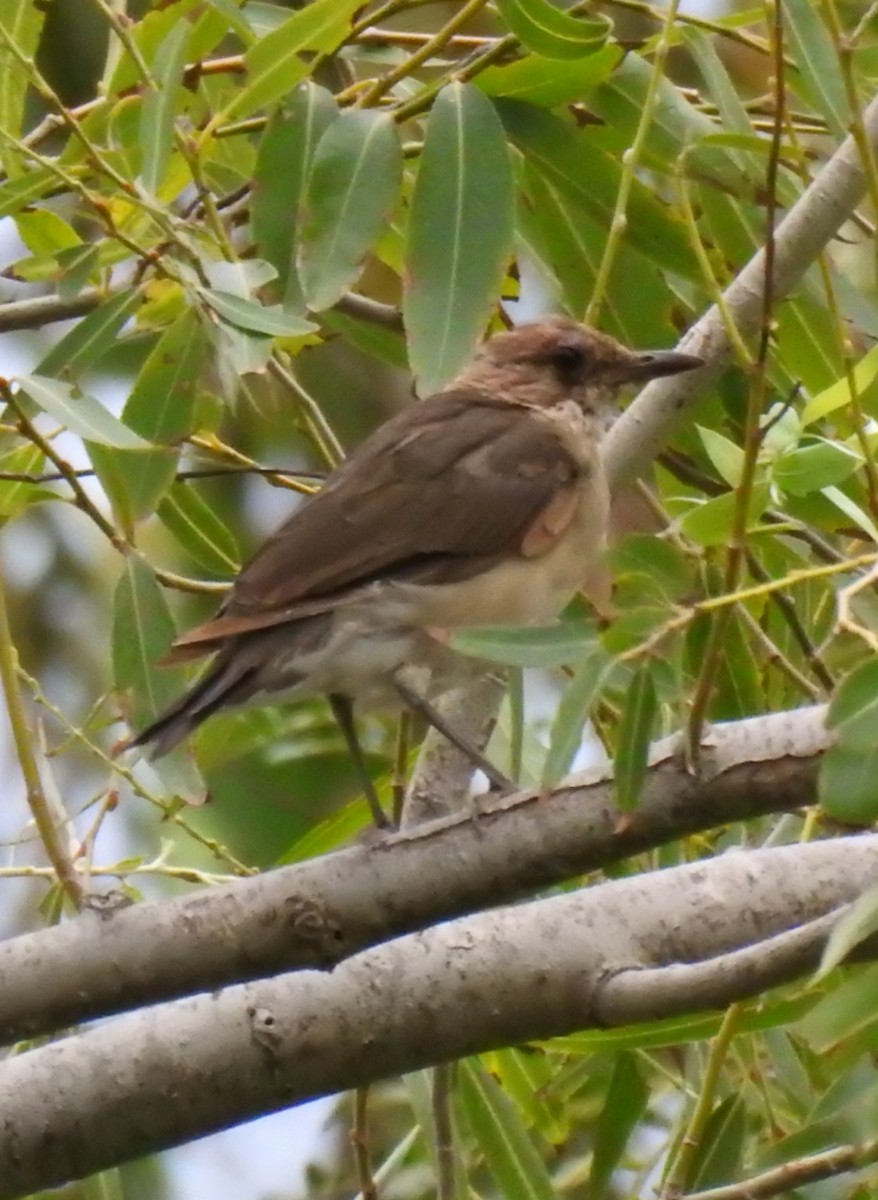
(438, 493)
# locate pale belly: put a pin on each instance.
(521, 591)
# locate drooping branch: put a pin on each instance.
(324, 910)
(98, 1097)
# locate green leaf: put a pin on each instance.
(853, 712)
(45, 232)
(623, 1109)
(87, 342)
(510, 1155)
(579, 697)
(541, 81)
(198, 529)
(528, 646)
(134, 481)
(569, 244)
(160, 107)
(459, 234)
(856, 924)
(819, 77)
(710, 524)
(839, 394)
(635, 731)
(668, 569)
(811, 468)
(22, 23)
(853, 511)
(727, 458)
(17, 193)
(273, 320)
(676, 128)
(17, 494)
(282, 165)
(719, 1154)
(550, 31)
(570, 160)
(351, 191)
(848, 786)
(279, 61)
(161, 406)
(142, 632)
(82, 414)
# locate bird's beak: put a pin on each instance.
(654, 364)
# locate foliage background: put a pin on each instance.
(250, 227)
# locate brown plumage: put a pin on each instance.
(485, 504)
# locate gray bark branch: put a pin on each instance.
(518, 974)
(322, 911)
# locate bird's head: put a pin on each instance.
(556, 359)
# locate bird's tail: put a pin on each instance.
(224, 684)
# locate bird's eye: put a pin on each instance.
(570, 361)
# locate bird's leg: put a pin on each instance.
(343, 711)
(430, 714)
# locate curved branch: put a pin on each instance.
(98, 1097)
(322, 911)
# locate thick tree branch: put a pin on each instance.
(78, 1105)
(322, 911)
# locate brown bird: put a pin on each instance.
(485, 504)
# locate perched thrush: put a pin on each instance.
(485, 504)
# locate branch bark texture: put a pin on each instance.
(322, 911)
(494, 979)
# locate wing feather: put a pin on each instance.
(437, 493)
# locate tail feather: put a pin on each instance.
(223, 685)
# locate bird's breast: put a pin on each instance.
(525, 590)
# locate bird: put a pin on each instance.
(484, 504)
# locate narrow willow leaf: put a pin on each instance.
(277, 62)
(635, 730)
(17, 494)
(550, 31)
(538, 80)
(45, 232)
(812, 468)
(574, 164)
(273, 320)
(727, 458)
(22, 23)
(162, 402)
(853, 712)
(624, 1106)
(91, 338)
(81, 413)
(142, 632)
(199, 530)
(676, 127)
(720, 1149)
(160, 107)
(459, 234)
(351, 191)
(839, 393)
(855, 924)
(819, 77)
(510, 1155)
(282, 165)
(16, 193)
(134, 481)
(528, 646)
(565, 737)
